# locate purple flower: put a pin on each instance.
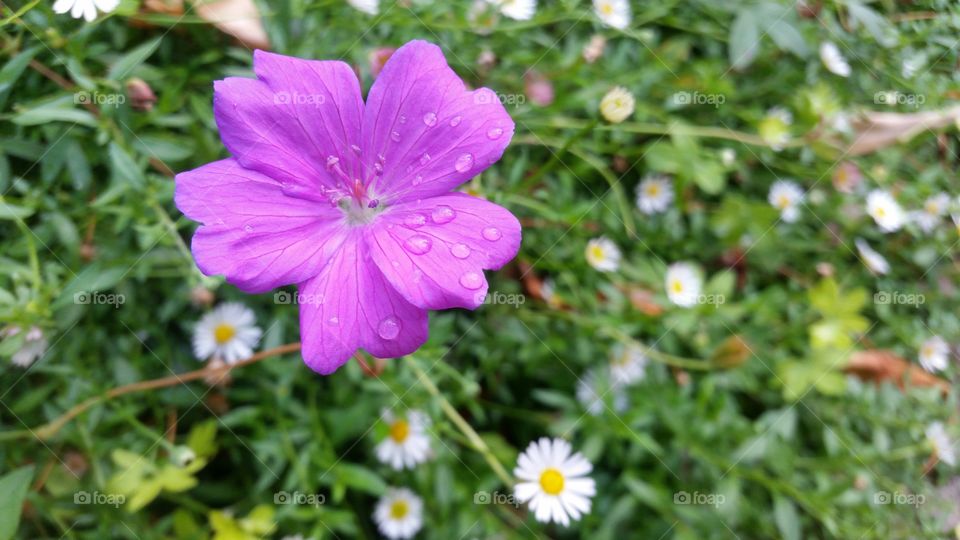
(352, 201)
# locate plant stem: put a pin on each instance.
(51, 428)
(451, 413)
(585, 127)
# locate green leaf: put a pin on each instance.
(744, 39)
(45, 115)
(12, 211)
(361, 478)
(124, 67)
(788, 38)
(786, 517)
(13, 489)
(124, 168)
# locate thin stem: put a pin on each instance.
(477, 442)
(585, 128)
(50, 429)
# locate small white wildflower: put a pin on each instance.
(786, 196)
(942, 445)
(521, 10)
(934, 209)
(628, 364)
(654, 194)
(596, 389)
(229, 332)
(614, 13)
(34, 345)
(885, 210)
(617, 105)
(934, 354)
(874, 261)
(683, 283)
(833, 59)
(407, 443)
(85, 8)
(603, 254)
(399, 514)
(370, 7)
(555, 481)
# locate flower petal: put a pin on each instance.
(431, 134)
(296, 122)
(252, 233)
(434, 252)
(350, 305)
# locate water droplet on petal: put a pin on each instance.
(425, 158)
(471, 280)
(402, 119)
(378, 169)
(248, 228)
(430, 119)
(494, 133)
(492, 234)
(415, 220)
(332, 162)
(418, 244)
(389, 327)
(396, 264)
(395, 136)
(455, 121)
(418, 180)
(460, 251)
(442, 214)
(333, 321)
(355, 148)
(464, 163)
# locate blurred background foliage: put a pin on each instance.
(755, 408)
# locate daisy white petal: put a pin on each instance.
(934, 354)
(603, 254)
(228, 332)
(654, 194)
(942, 445)
(560, 490)
(399, 514)
(885, 210)
(684, 284)
(874, 261)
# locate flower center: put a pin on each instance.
(607, 8)
(223, 333)
(933, 208)
(653, 190)
(881, 211)
(551, 481)
(783, 202)
(927, 351)
(677, 286)
(399, 431)
(597, 253)
(399, 510)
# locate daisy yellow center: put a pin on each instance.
(653, 190)
(606, 9)
(551, 481)
(933, 208)
(597, 253)
(881, 211)
(783, 202)
(677, 286)
(399, 431)
(399, 510)
(927, 351)
(223, 333)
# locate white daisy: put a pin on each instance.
(786, 196)
(874, 261)
(615, 13)
(399, 513)
(617, 105)
(833, 59)
(554, 481)
(596, 388)
(33, 347)
(942, 446)
(934, 208)
(628, 364)
(229, 332)
(603, 254)
(521, 10)
(370, 7)
(654, 194)
(885, 210)
(85, 8)
(683, 283)
(934, 354)
(407, 443)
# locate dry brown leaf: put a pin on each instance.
(239, 18)
(879, 366)
(643, 301)
(876, 130)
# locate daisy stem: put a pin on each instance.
(585, 127)
(458, 420)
